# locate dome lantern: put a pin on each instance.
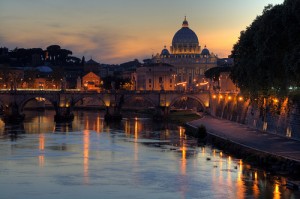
(185, 23)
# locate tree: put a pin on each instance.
(214, 73)
(266, 56)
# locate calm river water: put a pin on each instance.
(134, 159)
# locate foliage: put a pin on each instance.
(115, 83)
(267, 54)
(214, 73)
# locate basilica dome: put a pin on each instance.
(165, 52)
(185, 41)
(205, 52)
(185, 35)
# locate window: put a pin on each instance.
(160, 80)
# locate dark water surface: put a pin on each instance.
(133, 159)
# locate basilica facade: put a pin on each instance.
(189, 59)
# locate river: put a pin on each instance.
(133, 159)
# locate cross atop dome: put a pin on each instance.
(185, 23)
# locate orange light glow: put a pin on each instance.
(183, 160)
(41, 148)
(276, 192)
(86, 145)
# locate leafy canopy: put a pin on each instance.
(267, 54)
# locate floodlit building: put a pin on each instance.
(187, 56)
(156, 77)
(91, 82)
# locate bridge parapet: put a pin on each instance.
(64, 101)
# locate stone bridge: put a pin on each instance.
(63, 101)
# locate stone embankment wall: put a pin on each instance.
(273, 116)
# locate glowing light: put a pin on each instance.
(86, 145)
(229, 97)
(40, 99)
(214, 96)
(204, 83)
(289, 132)
(181, 83)
(241, 162)
(241, 98)
(275, 100)
(41, 148)
(221, 96)
(183, 161)
(276, 191)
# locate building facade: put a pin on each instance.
(188, 58)
(91, 82)
(155, 77)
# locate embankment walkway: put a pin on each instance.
(251, 138)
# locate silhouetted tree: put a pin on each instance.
(266, 56)
(83, 61)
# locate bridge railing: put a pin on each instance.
(19, 90)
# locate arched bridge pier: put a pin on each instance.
(64, 101)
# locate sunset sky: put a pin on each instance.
(115, 31)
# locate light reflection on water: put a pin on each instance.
(132, 159)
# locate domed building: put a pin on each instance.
(185, 41)
(188, 58)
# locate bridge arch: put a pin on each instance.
(95, 97)
(134, 99)
(23, 103)
(179, 97)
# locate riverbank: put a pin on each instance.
(181, 117)
(276, 154)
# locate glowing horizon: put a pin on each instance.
(118, 31)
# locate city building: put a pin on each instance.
(187, 56)
(91, 81)
(156, 77)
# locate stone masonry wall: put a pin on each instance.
(280, 117)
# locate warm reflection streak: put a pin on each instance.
(135, 139)
(255, 188)
(41, 148)
(183, 161)
(276, 191)
(239, 183)
(86, 145)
